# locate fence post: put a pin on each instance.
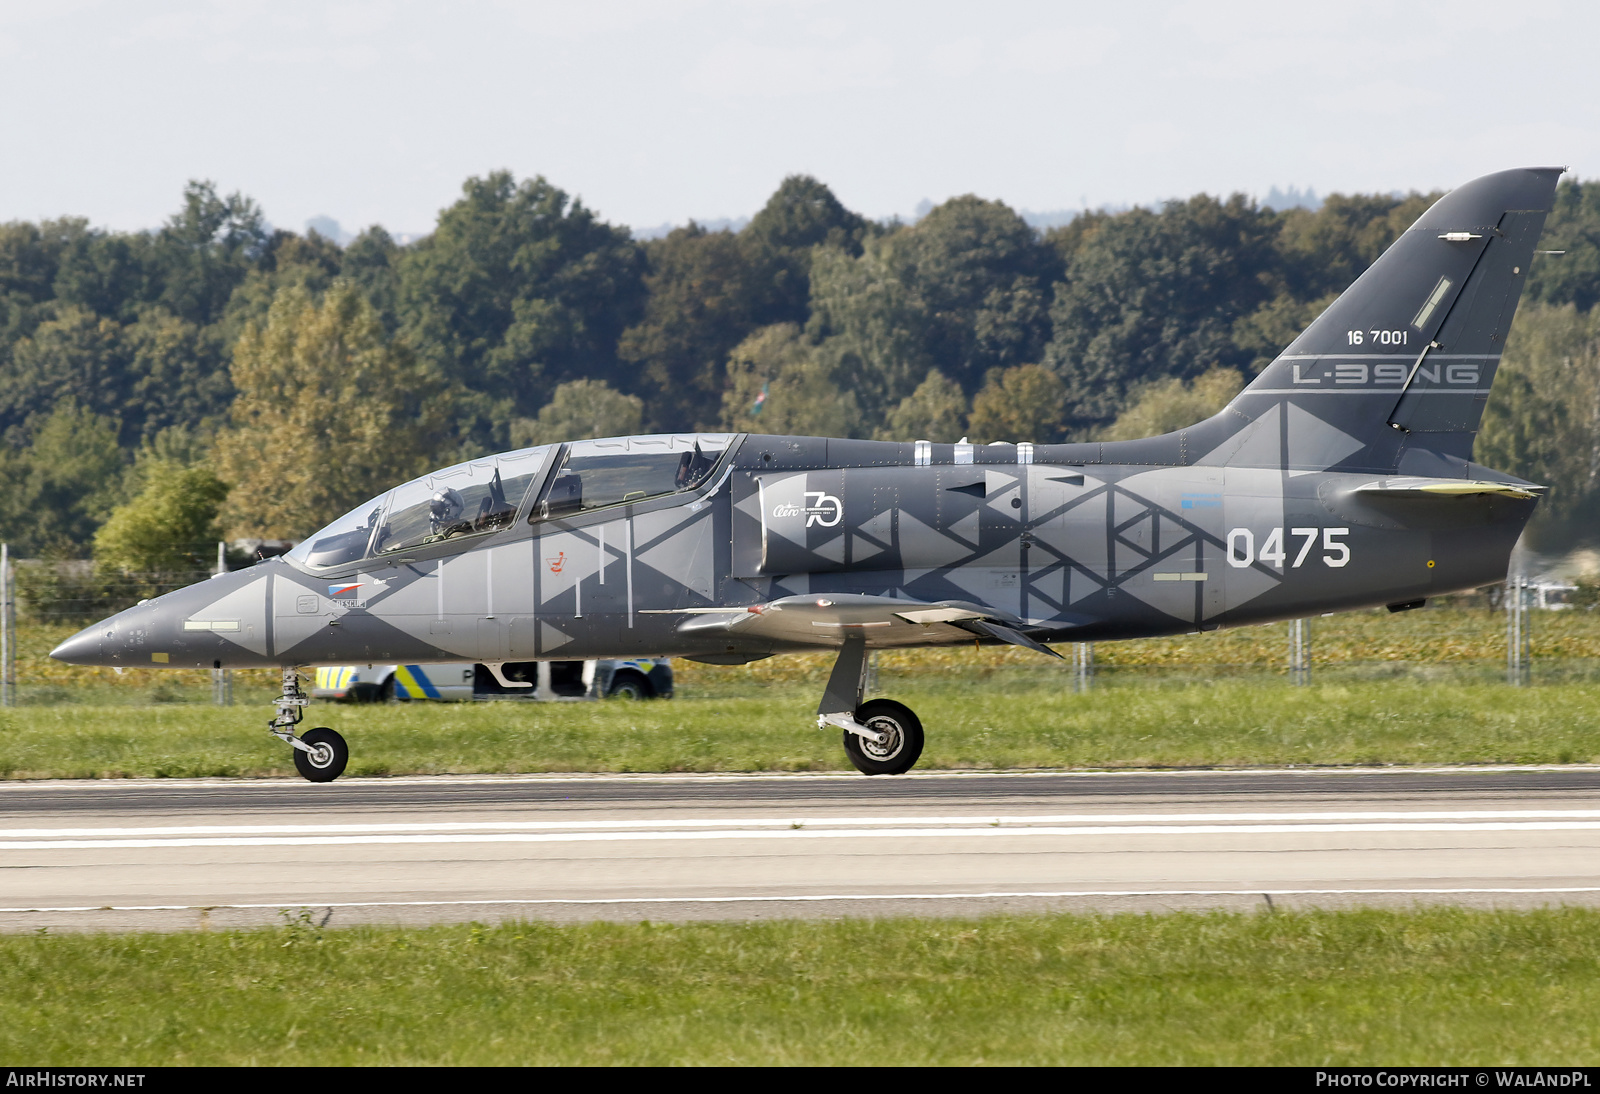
(1082, 665)
(1300, 652)
(222, 679)
(1519, 660)
(8, 631)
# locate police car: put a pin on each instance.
(640, 678)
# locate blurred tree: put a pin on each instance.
(1573, 227)
(935, 411)
(518, 289)
(177, 445)
(705, 295)
(778, 384)
(329, 412)
(310, 261)
(1321, 253)
(1542, 421)
(1152, 295)
(62, 485)
(1024, 403)
(802, 214)
(985, 276)
(966, 290)
(77, 356)
(30, 260)
(170, 525)
(709, 290)
(1267, 331)
(873, 327)
(157, 372)
(1165, 406)
(1068, 237)
(579, 410)
(177, 376)
(372, 261)
(107, 273)
(206, 250)
(30, 257)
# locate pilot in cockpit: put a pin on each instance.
(445, 509)
(692, 469)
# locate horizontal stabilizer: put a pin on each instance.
(1402, 488)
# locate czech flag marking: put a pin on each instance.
(337, 591)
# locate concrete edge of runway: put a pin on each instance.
(232, 917)
(795, 776)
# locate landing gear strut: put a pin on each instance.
(320, 754)
(881, 737)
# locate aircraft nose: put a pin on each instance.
(87, 647)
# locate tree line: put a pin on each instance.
(220, 377)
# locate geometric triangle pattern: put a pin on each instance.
(1314, 444)
(966, 528)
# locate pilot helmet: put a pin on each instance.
(445, 506)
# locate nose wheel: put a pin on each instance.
(324, 758)
(320, 754)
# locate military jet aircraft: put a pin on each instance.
(1341, 478)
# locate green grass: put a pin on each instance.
(1419, 687)
(1009, 720)
(1317, 988)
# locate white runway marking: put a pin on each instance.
(798, 828)
(1025, 820)
(812, 898)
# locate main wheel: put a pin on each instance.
(902, 743)
(325, 762)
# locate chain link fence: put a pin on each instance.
(44, 601)
(1519, 633)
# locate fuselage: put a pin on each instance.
(1064, 540)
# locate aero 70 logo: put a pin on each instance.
(820, 508)
(1242, 547)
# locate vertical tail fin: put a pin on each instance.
(1395, 374)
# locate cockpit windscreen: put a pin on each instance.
(468, 499)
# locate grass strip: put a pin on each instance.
(1449, 635)
(1442, 986)
(1005, 723)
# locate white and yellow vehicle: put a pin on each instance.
(638, 678)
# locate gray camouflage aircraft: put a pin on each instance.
(1340, 478)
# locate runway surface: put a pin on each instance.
(212, 854)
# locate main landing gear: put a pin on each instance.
(881, 737)
(320, 754)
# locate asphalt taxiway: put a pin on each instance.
(213, 854)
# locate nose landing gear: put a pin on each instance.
(320, 754)
(881, 737)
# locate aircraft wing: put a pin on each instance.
(883, 621)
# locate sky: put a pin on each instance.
(660, 111)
